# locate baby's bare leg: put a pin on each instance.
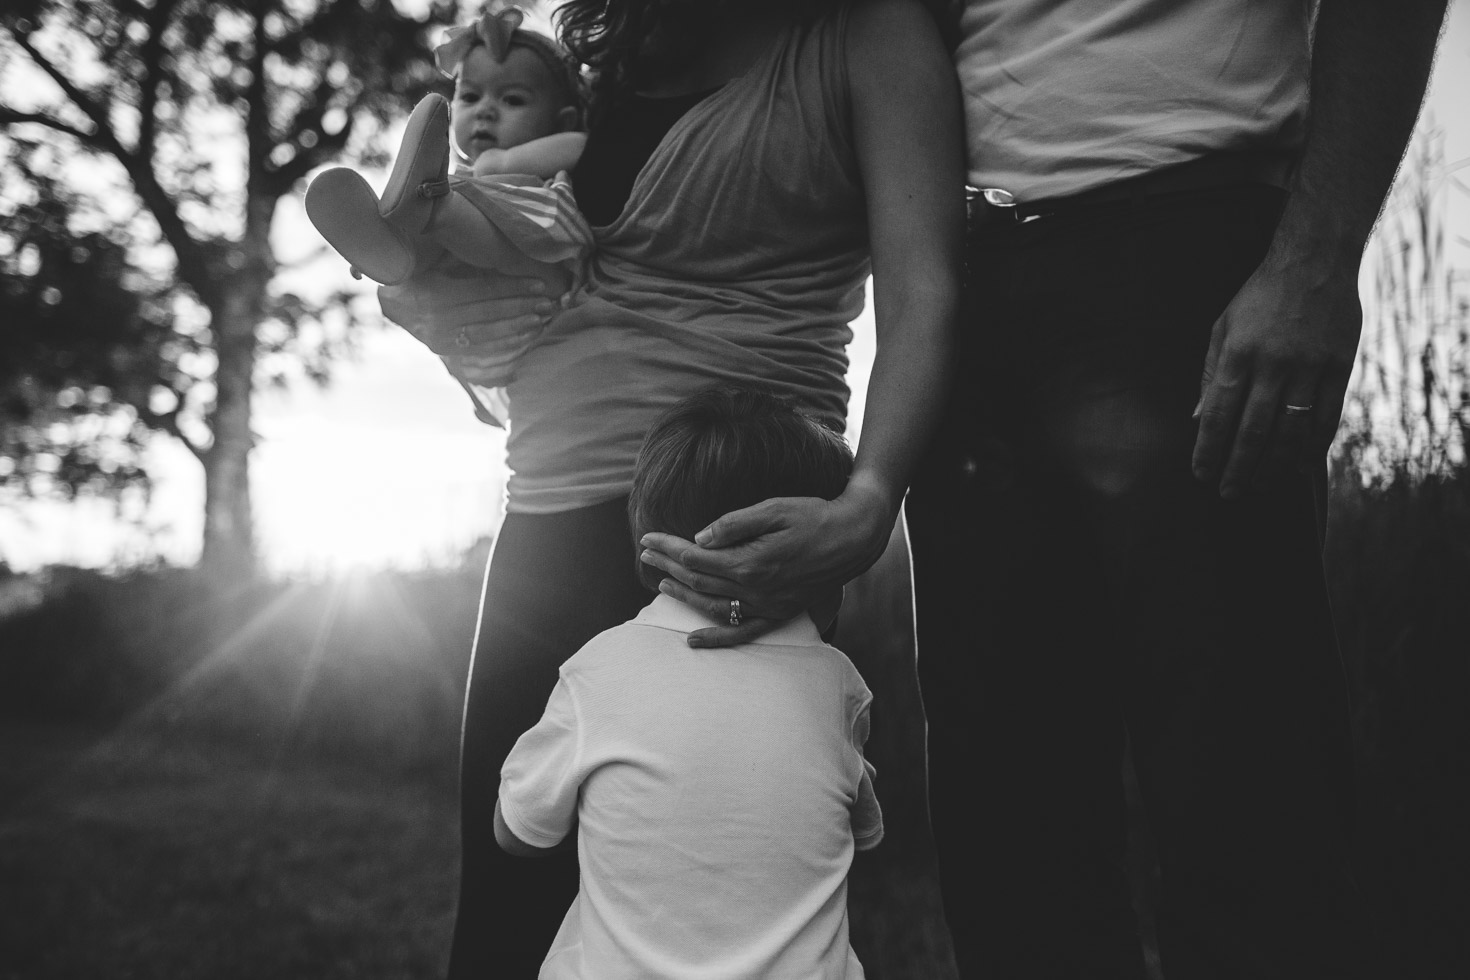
(463, 230)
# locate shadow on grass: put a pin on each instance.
(141, 855)
(261, 781)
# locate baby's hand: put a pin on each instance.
(491, 161)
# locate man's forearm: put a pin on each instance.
(1370, 65)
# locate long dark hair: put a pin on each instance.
(631, 44)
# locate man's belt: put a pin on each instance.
(993, 204)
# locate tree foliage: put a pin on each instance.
(146, 147)
(83, 343)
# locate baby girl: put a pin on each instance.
(509, 206)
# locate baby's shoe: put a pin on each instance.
(379, 237)
(345, 210)
(421, 171)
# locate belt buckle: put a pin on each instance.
(1005, 201)
(990, 204)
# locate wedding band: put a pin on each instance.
(462, 339)
(1299, 410)
(735, 616)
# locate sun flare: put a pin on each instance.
(332, 506)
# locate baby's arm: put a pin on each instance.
(544, 157)
(866, 816)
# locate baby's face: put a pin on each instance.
(498, 105)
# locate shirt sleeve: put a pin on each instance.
(867, 816)
(541, 776)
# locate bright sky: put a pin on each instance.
(389, 466)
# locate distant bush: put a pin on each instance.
(369, 665)
(94, 646)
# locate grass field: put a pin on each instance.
(260, 782)
(134, 856)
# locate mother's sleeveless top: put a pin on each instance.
(740, 257)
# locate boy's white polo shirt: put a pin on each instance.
(718, 797)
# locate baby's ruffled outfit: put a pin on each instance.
(540, 217)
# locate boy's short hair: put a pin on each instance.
(723, 448)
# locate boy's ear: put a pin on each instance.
(567, 117)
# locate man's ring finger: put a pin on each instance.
(462, 339)
(735, 617)
(1298, 409)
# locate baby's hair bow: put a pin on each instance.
(493, 28)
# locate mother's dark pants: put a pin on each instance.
(1076, 586)
(554, 582)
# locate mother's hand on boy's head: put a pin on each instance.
(751, 628)
(823, 609)
(451, 307)
(778, 557)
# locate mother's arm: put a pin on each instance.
(782, 555)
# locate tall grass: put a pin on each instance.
(1407, 415)
(1398, 561)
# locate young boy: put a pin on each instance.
(717, 795)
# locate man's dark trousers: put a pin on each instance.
(1076, 587)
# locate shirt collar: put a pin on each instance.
(666, 612)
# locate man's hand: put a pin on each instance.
(1288, 338)
(454, 308)
(778, 557)
(1290, 334)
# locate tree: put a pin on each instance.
(78, 348)
(147, 145)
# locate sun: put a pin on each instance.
(331, 504)
(388, 468)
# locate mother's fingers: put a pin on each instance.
(741, 629)
(485, 326)
(716, 607)
(666, 544)
(699, 582)
(453, 301)
(490, 338)
(718, 562)
(729, 636)
(749, 522)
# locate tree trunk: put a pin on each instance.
(229, 537)
(229, 534)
